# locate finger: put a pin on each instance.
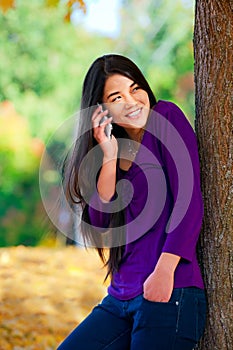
(98, 115)
(105, 121)
(95, 124)
(101, 123)
(96, 112)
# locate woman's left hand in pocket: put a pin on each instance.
(159, 285)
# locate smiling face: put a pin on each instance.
(127, 102)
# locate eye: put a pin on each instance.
(117, 98)
(136, 88)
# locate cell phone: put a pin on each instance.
(108, 128)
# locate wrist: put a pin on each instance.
(167, 263)
(111, 160)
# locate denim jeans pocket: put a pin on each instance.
(191, 320)
(158, 314)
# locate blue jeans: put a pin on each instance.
(139, 324)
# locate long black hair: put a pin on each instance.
(81, 185)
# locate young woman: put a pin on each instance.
(141, 198)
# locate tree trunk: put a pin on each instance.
(213, 53)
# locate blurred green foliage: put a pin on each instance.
(158, 36)
(43, 63)
(20, 206)
(42, 66)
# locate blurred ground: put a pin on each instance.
(45, 293)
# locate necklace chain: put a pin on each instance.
(132, 150)
(131, 143)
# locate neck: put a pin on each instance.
(135, 134)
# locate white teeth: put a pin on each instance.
(135, 113)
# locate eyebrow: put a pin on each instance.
(117, 92)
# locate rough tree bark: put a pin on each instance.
(213, 53)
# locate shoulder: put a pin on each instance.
(170, 123)
(172, 113)
(167, 107)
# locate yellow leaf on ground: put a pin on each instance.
(45, 293)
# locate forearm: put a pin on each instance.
(107, 180)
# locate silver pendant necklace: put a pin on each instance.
(133, 145)
(131, 149)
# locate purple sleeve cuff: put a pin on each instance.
(99, 211)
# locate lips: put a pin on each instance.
(134, 114)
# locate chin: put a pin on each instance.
(132, 125)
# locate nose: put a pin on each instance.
(130, 101)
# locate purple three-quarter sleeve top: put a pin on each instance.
(162, 202)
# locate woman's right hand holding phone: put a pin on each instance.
(109, 146)
(106, 184)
